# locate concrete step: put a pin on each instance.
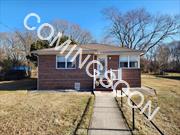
(103, 89)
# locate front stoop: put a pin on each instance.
(104, 89)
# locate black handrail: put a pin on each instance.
(133, 117)
(133, 113)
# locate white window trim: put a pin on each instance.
(139, 61)
(129, 63)
(65, 63)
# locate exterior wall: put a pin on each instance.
(52, 78)
(113, 61)
(132, 76)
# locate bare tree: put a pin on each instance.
(150, 62)
(138, 29)
(17, 45)
(26, 38)
(74, 31)
(175, 56)
(10, 45)
(163, 57)
(60, 26)
(2, 53)
(79, 35)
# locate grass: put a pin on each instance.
(83, 129)
(175, 76)
(168, 99)
(41, 112)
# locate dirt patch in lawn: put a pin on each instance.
(40, 113)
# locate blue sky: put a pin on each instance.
(86, 13)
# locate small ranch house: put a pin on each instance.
(55, 71)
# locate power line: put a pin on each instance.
(5, 25)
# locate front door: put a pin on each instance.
(103, 60)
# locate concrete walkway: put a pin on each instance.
(107, 118)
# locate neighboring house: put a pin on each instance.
(56, 72)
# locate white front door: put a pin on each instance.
(103, 60)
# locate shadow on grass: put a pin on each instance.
(169, 77)
(24, 84)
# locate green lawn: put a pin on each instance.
(41, 112)
(168, 99)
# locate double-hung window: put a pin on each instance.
(129, 61)
(65, 63)
(123, 61)
(133, 61)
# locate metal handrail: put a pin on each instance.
(133, 114)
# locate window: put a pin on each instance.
(133, 64)
(123, 64)
(123, 61)
(129, 61)
(133, 61)
(70, 63)
(62, 62)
